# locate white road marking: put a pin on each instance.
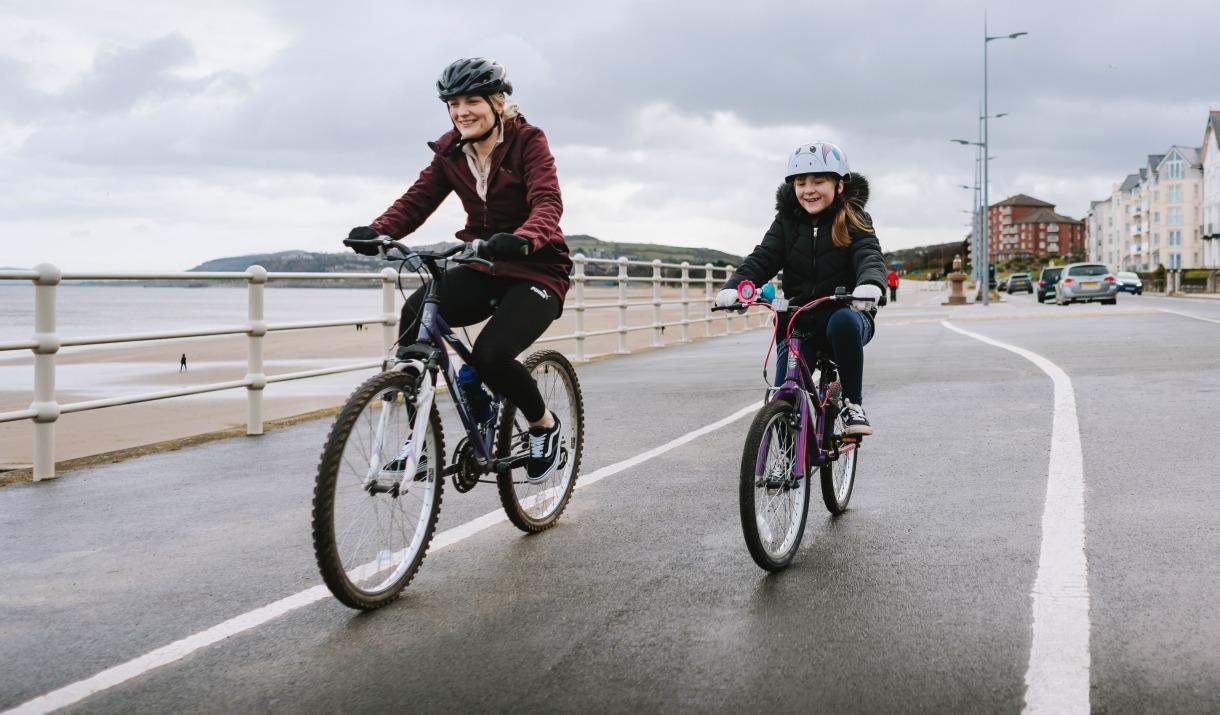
(1188, 315)
(1057, 679)
(78, 691)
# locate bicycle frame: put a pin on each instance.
(798, 385)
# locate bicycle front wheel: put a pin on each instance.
(774, 502)
(534, 506)
(372, 521)
(839, 475)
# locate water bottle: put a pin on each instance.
(477, 398)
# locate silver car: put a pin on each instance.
(1086, 282)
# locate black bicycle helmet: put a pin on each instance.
(473, 75)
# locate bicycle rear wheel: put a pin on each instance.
(774, 502)
(372, 522)
(839, 475)
(534, 506)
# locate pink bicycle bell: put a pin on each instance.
(747, 292)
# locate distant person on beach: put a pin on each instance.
(182, 363)
(892, 280)
(502, 170)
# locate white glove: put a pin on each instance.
(726, 298)
(865, 290)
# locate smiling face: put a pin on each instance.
(816, 192)
(472, 115)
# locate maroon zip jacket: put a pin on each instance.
(522, 198)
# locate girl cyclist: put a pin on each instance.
(502, 170)
(822, 239)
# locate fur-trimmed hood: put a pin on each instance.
(855, 192)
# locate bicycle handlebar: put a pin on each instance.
(842, 298)
(385, 243)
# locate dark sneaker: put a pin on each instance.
(544, 451)
(854, 421)
(398, 465)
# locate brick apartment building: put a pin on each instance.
(1021, 226)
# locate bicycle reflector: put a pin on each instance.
(746, 291)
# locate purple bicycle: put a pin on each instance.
(798, 430)
(377, 497)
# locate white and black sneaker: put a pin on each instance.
(854, 420)
(544, 451)
(398, 465)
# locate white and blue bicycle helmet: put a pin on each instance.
(817, 158)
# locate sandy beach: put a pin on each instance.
(93, 373)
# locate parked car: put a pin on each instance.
(1086, 282)
(1020, 282)
(1129, 282)
(1046, 282)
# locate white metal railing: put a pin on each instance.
(45, 343)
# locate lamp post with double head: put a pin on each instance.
(988, 39)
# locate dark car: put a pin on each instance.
(1046, 283)
(1129, 282)
(1020, 282)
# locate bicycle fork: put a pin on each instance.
(423, 409)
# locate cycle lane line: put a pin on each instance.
(1057, 677)
(179, 649)
(1189, 315)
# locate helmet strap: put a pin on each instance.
(462, 141)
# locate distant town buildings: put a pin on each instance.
(1021, 226)
(1166, 214)
(1209, 156)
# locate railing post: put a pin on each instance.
(389, 328)
(686, 301)
(728, 314)
(622, 305)
(709, 297)
(44, 404)
(255, 285)
(656, 302)
(578, 279)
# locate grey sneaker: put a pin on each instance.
(854, 420)
(544, 451)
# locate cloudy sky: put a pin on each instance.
(156, 135)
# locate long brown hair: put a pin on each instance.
(849, 218)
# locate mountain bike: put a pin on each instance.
(799, 429)
(378, 492)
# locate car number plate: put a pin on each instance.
(1090, 284)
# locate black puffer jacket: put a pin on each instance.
(800, 245)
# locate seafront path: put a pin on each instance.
(1034, 525)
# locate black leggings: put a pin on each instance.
(525, 310)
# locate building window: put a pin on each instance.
(1173, 216)
(1175, 238)
(1175, 169)
(1175, 260)
(1173, 194)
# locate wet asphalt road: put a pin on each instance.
(644, 598)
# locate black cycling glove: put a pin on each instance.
(504, 245)
(364, 233)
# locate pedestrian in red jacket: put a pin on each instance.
(502, 170)
(892, 280)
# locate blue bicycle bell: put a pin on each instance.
(768, 292)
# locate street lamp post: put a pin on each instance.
(986, 204)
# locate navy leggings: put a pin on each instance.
(848, 332)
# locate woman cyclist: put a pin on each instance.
(502, 170)
(822, 239)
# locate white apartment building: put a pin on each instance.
(1209, 157)
(1153, 218)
